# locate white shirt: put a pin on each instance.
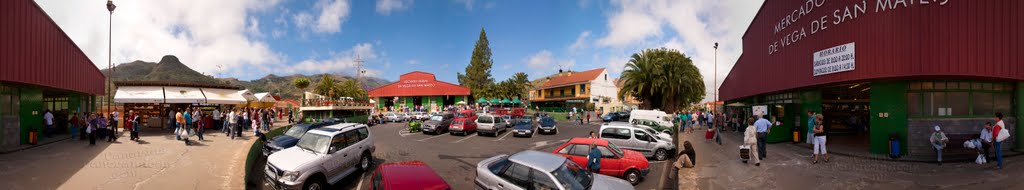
(49, 118)
(116, 116)
(986, 135)
(216, 115)
(232, 118)
(196, 115)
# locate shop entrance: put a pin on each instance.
(847, 109)
(448, 100)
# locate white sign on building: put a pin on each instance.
(760, 110)
(834, 60)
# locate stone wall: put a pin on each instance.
(920, 129)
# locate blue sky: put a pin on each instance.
(249, 39)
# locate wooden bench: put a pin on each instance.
(956, 144)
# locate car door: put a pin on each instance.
(643, 141)
(335, 161)
(611, 164)
(516, 176)
(618, 136)
(576, 152)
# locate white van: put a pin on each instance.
(658, 116)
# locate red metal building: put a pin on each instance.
(884, 67)
(42, 70)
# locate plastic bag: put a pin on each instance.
(980, 159)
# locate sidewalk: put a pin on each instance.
(860, 153)
(158, 161)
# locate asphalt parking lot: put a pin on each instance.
(455, 157)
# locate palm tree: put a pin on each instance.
(325, 87)
(302, 84)
(662, 78)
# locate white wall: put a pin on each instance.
(604, 87)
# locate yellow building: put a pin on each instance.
(570, 89)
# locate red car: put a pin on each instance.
(627, 164)
(463, 126)
(407, 175)
(466, 114)
(500, 112)
(518, 112)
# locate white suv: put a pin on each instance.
(322, 156)
(638, 139)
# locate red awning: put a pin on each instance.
(419, 83)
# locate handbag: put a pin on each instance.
(1003, 135)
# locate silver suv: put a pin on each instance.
(630, 137)
(533, 169)
(489, 124)
(322, 156)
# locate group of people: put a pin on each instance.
(991, 137)
(579, 116)
(688, 122)
(91, 125)
(192, 121)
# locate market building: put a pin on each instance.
(153, 100)
(418, 90)
(882, 68)
(571, 89)
(42, 70)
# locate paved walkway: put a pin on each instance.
(156, 162)
(790, 167)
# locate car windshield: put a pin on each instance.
(616, 149)
(572, 176)
(296, 131)
(437, 118)
(485, 120)
(547, 120)
(460, 115)
(506, 117)
(525, 121)
(314, 142)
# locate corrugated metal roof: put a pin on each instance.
(419, 83)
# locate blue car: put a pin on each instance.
(547, 126)
(614, 116)
(524, 127)
(290, 137)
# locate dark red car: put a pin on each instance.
(518, 112)
(627, 164)
(462, 126)
(407, 175)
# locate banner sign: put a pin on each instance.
(760, 110)
(834, 60)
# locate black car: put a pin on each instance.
(613, 116)
(438, 123)
(525, 126)
(290, 137)
(547, 125)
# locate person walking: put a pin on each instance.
(75, 125)
(763, 126)
(718, 128)
(819, 139)
(135, 126)
(172, 121)
(588, 118)
(115, 120)
(594, 159)
(197, 118)
(1001, 133)
(187, 124)
(48, 122)
(232, 123)
(225, 127)
(179, 119)
(938, 140)
(750, 139)
(201, 126)
(810, 128)
(267, 117)
(217, 124)
(92, 130)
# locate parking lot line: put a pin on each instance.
(435, 136)
(470, 136)
(503, 136)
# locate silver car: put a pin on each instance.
(489, 124)
(638, 139)
(540, 170)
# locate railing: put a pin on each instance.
(317, 103)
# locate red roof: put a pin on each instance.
(419, 83)
(572, 78)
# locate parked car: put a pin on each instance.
(321, 157)
(626, 164)
(508, 120)
(662, 132)
(438, 123)
(500, 112)
(548, 125)
(518, 112)
(624, 116)
(658, 126)
(540, 170)
(490, 124)
(634, 138)
(407, 175)
(525, 126)
(289, 138)
(405, 116)
(656, 116)
(609, 117)
(463, 126)
(466, 114)
(392, 117)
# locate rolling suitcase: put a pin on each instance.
(744, 153)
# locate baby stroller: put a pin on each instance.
(744, 153)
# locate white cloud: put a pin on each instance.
(302, 19)
(413, 62)
(580, 42)
(340, 62)
(278, 33)
(385, 7)
(332, 14)
(467, 3)
(202, 34)
(254, 27)
(542, 59)
(692, 27)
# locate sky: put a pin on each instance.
(249, 39)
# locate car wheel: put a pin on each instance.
(633, 176)
(364, 162)
(315, 183)
(660, 154)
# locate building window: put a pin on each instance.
(583, 88)
(958, 99)
(572, 92)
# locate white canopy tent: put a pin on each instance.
(223, 96)
(139, 94)
(247, 94)
(183, 95)
(265, 97)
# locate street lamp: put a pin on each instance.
(715, 83)
(110, 63)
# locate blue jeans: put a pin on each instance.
(761, 151)
(938, 151)
(999, 154)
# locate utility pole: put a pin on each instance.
(716, 78)
(110, 47)
(359, 68)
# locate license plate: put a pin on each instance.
(522, 133)
(547, 130)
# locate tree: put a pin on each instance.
(350, 88)
(478, 72)
(522, 85)
(302, 83)
(326, 87)
(662, 78)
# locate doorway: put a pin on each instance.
(847, 109)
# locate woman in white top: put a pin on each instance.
(750, 139)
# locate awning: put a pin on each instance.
(183, 95)
(265, 97)
(247, 94)
(223, 96)
(139, 94)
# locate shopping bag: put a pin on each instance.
(980, 159)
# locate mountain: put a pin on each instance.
(171, 69)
